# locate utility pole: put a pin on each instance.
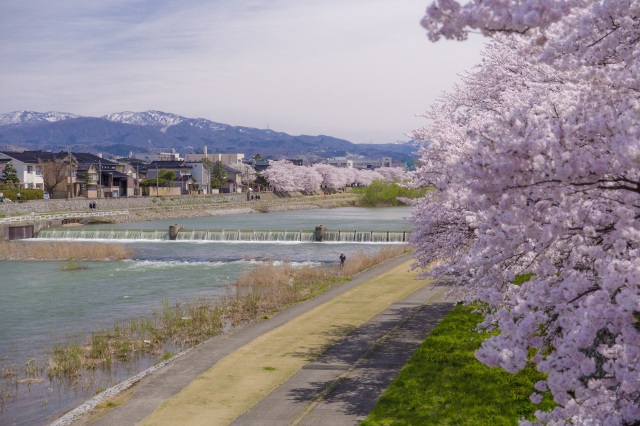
(69, 187)
(157, 181)
(248, 190)
(99, 178)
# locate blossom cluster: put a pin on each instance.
(286, 176)
(536, 161)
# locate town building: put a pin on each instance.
(159, 156)
(179, 168)
(71, 174)
(201, 175)
(226, 159)
(362, 163)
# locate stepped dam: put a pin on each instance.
(226, 235)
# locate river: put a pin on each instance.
(41, 303)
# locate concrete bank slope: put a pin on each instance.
(289, 368)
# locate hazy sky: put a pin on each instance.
(355, 69)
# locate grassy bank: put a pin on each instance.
(443, 384)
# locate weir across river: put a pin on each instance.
(28, 226)
(343, 236)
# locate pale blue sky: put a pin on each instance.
(355, 69)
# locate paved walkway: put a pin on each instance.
(343, 385)
(337, 388)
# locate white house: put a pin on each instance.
(201, 174)
(27, 167)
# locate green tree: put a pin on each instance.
(162, 182)
(382, 193)
(10, 175)
(261, 181)
(218, 175)
(167, 175)
(208, 163)
(88, 181)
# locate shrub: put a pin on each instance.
(383, 193)
(11, 193)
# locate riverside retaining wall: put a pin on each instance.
(82, 204)
(169, 208)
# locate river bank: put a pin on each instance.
(283, 343)
(83, 301)
(161, 208)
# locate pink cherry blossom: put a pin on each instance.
(286, 176)
(393, 174)
(536, 160)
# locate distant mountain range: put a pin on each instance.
(120, 133)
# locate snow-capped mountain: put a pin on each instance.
(146, 118)
(28, 117)
(151, 118)
(164, 120)
(120, 133)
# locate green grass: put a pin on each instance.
(383, 194)
(443, 384)
(523, 278)
(358, 190)
(165, 357)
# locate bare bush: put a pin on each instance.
(362, 261)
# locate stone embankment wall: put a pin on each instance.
(82, 204)
(174, 208)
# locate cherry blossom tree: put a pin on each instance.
(308, 179)
(536, 162)
(393, 174)
(286, 176)
(281, 176)
(364, 177)
(349, 176)
(332, 177)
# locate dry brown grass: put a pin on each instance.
(362, 261)
(31, 250)
(268, 288)
(257, 293)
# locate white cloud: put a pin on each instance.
(354, 69)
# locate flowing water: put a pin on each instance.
(227, 235)
(41, 303)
